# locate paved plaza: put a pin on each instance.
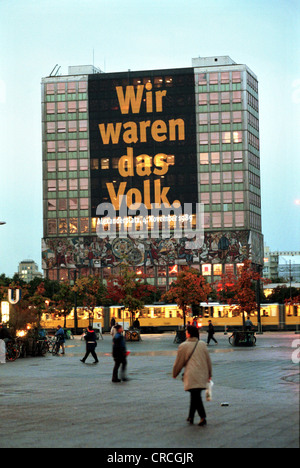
(56, 401)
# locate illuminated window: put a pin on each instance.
(217, 268)
(62, 204)
(61, 146)
(202, 99)
(73, 184)
(61, 107)
(51, 166)
(51, 185)
(214, 118)
(82, 106)
(225, 98)
(225, 77)
(83, 125)
(73, 226)
(73, 164)
(50, 146)
(51, 205)
(50, 88)
(215, 138)
(83, 145)
(52, 226)
(237, 96)
(204, 178)
(237, 137)
(205, 197)
(62, 185)
(225, 117)
(94, 164)
(216, 219)
(206, 270)
(226, 137)
(82, 87)
(227, 197)
(204, 158)
(237, 116)
(50, 107)
(203, 138)
(215, 158)
(61, 88)
(202, 119)
(170, 160)
(50, 127)
(84, 184)
(202, 79)
(61, 127)
(214, 98)
(238, 176)
(213, 78)
(227, 177)
(71, 87)
(236, 77)
(227, 219)
(216, 197)
(63, 226)
(71, 107)
(104, 163)
(83, 164)
(237, 156)
(226, 157)
(238, 197)
(62, 165)
(73, 203)
(239, 218)
(72, 126)
(215, 177)
(72, 145)
(84, 203)
(84, 225)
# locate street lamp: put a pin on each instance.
(2, 222)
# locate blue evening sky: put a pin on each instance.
(118, 35)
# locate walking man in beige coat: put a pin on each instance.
(194, 356)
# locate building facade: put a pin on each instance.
(28, 270)
(159, 137)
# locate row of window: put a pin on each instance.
(62, 107)
(61, 146)
(224, 97)
(227, 177)
(70, 184)
(71, 126)
(67, 226)
(226, 137)
(68, 203)
(63, 165)
(222, 197)
(214, 118)
(69, 87)
(226, 157)
(224, 219)
(219, 77)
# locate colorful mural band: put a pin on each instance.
(92, 252)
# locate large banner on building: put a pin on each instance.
(143, 139)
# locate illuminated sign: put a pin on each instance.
(143, 138)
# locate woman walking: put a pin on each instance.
(193, 355)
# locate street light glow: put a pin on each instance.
(297, 202)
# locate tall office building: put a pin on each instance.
(187, 135)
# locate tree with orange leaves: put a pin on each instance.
(188, 290)
(240, 291)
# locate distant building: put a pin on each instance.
(274, 269)
(28, 270)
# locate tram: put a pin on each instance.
(158, 318)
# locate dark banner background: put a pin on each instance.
(178, 103)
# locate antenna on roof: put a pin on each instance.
(54, 69)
